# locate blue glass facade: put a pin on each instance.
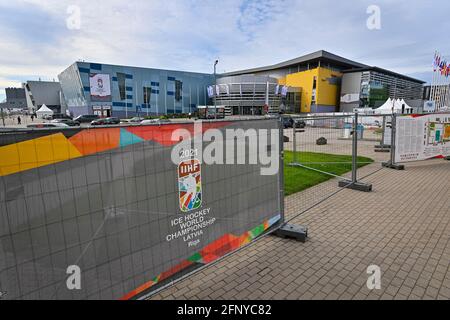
(134, 91)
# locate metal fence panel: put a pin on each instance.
(111, 201)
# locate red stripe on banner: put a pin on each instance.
(163, 134)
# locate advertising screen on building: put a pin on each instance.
(100, 87)
(107, 213)
(421, 137)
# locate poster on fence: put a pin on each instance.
(422, 137)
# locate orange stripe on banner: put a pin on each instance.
(96, 140)
(161, 277)
(138, 290)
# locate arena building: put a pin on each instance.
(313, 83)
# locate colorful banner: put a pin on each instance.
(112, 202)
(422, 137)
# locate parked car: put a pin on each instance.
(288, 122)
(86, 118)
(105, 121)
(136, 120)
(155, 121)
(300, 124)
(61, 116)
(48, 125)
(132, 120)
(69, 122)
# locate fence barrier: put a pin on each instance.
(105, 213)
(111, 204)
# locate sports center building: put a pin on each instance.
(312, 83)
(121, 91)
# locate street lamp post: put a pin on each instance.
(215, 90)
(3, 117)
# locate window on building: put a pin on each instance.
(314, 90)
(178, 90)
(147, 95)
(122, 87)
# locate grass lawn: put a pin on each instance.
(297, 179)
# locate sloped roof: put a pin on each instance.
(321, 54)
(385, 71)
(44, 108)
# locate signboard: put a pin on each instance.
(125, 213)
(102, 111)
(421, 137)
(350, 97)
(429, 106)
(100, 87)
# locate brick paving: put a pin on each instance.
(403, 226)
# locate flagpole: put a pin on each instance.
(436, 83)
(433, 78)
(136, 98)
(439, 88)
(447, 88)
(439, 91)
(443, 83)
(436, 79)
(447, 91)
(149, 101)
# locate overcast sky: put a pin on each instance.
(39, 39)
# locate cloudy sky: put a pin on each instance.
(39, 39)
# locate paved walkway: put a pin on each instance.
(403, 226)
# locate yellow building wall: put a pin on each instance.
(326, 94)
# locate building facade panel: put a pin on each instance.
(371, 87)
(256, 95)
(133, 91)
(39, 93)
(15, 98)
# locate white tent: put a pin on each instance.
(386, 107)
(44, 111)
(394, 106)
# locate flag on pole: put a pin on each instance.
(435, 60)
(210, 91)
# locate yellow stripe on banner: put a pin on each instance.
(36, 153)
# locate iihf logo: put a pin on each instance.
(190, 185)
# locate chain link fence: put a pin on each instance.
(326, 153)
(111, 203)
